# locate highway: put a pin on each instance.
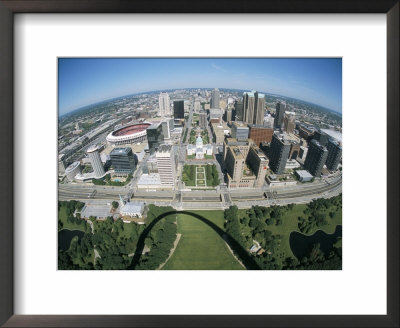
(83, 191)
(299, 194)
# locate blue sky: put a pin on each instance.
(86, 81)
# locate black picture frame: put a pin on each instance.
(7, 10)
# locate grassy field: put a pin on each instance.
(200, 247)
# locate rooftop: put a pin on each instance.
(234, 141)
(240, 125)
(150, 179)
(236, 152)
(252, 94)
(119, 151)
(164, 148)
(133, 207)
(334, 134)
(304, 174)
(72, 166)
(283, 138)
(153, 126)
(315, 142)
(92, 148)
(259, 153)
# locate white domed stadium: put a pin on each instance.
(130, 134)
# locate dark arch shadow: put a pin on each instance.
(239, 251)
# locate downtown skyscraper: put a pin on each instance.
(279, 153)
(279, 113)
(215, 98)
(316, 158)
(334, 154)
(179, 109)
(253, 107)
(289, 122)
(164, 108)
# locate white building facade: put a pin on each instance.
(199, 149)
(166, 165)
(95, 159)
(164, 108)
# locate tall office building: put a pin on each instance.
(203, 119)
(234, 163)
(228, 115)
(163, 105)
(316, 158)
(155, 137)
(222, 104)
(215, 115)
(321, 137)
(197, 106)
(253, 107)
(215, 98)
(289, 122)
(279, 153)
(179, 109)
(165, 125)
(166, 163)
(280, 110)
(238, 115)
(239, 131)
(334, 154)
(258, 163)
(123, 161)
(95, 159)
(243, 145)
(260, 133)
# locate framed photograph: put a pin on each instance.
(197, 165)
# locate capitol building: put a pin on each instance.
(199, 149)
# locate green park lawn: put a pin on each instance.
(200, 247)
(63, 216)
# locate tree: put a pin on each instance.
(270, 221)
(245, 221)
(114, 204)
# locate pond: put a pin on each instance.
(65, 236)
(301, 244)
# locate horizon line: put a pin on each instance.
(160, 90)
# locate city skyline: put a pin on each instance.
(201, 180)
(86, 81)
